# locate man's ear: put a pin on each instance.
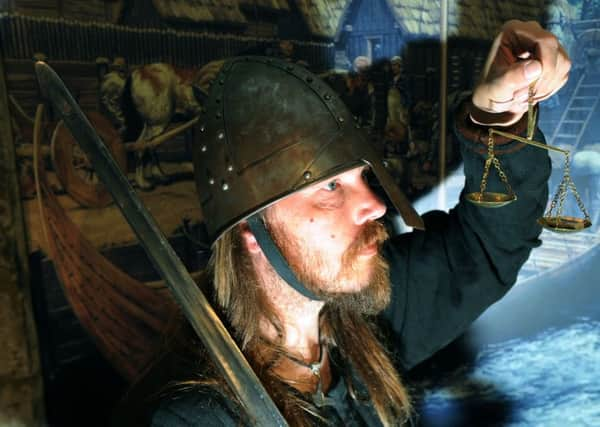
(248, 239)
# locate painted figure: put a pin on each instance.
(355, 89)
(398, 101)
(144, 103)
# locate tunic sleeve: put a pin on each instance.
(196, 407)
(445, 277)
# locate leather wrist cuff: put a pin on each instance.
(478, 134)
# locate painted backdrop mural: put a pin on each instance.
(141, 70)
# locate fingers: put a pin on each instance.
(509, 90)
(521, 54)
(543, 46)
(556, 79)
(540, 98)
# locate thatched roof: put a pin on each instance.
(322, 16)
(201, 11)
(477, 19)
(90, 10)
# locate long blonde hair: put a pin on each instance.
(242, 303)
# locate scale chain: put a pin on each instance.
(486, 171)
(492, 159)
(502, 175)
(565, 185)
(488, 163)
(578, 200)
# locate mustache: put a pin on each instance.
(372, 233)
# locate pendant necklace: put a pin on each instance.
(318, 397)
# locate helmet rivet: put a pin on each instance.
(221, 82)
(203, 148)
(327, 97)
(341, 119)
(224, 186)
(307, 175)
(218, 115)
(221, 135)
(211, 181)
(230, 168)
(202, 128)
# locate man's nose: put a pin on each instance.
(368, 207)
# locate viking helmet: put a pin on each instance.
(270, 128)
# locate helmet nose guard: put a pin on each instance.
(270, 128)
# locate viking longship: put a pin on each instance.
(125, 317)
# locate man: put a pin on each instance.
(301, 266)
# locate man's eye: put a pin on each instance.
(331, 186)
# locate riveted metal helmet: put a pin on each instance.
(269, 129)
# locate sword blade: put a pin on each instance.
(225, 353)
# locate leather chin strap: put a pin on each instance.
(271, 251)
